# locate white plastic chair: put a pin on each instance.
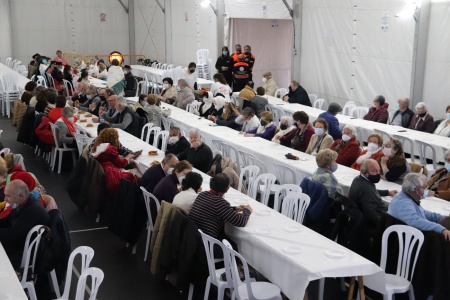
(294, 206)
(9, 90)
(348, 107)
(148, 198)
(97, 276)
(263, 183)
(247, 289)
(145, 132)
(246, 158)
(410, 241)
(281, 193)
(312, 97)
(80, 142)
(166, 122)
(277, 114)
(425, 148)
(8, 62)
(286, 174)
(51, 81)
(359, 112)
(58, 150)
(41, 80)
(86, 254)
(195, 105)
(68, 87)
(385, 135)
(247, 177)
(232, 152)
(281, 92)
(4, 151)
(214, 274)
(239, 101)
(360, 138)
(163, 136)
(408, 146)
(318, 103)
(153, 130)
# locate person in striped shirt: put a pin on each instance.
(211, 210)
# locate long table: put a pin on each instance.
(22, 79)
(287, 253)
(10, 287)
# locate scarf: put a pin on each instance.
(395, 161)
(298, 139)
(340, 145)
(69, 125)
(368, 154)
(318, 143)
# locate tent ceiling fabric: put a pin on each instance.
(257, 9)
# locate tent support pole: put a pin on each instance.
(297, 39)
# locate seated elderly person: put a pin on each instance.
(199, 154)
(439, 182)
(333, 123)
(66, 127)
(123, 151)
(393, 162)
(207, 107)
(299, 139)
(320, 139)
(55, 113)
(153, 110)
(365, 194)
(326, 162)
(92, 100)
(269, 84)
(379, 111)
(169, 94)
(230, 113)
(348, 147)
(80, 94)
(374, 150)
(403, 115)
(167, 188)
(126, 119)
(248, 120)
(286, 127)
(258, 102)
(155, 173)
(266, 129)
(422, 120)
(109, 112)
(297, 94)
(190, 187)
(176, 143)
(185, 96)
(444, 127)
(405, 206)
(211, 210)
(247, 92)
(26, 214)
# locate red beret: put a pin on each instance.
(25, 177)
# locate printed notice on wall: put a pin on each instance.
(264, 11)
(385, 22)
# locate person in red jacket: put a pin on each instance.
(299, 139)
(379, 111)
(348, 147)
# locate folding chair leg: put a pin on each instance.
(60, 161)
(54, 283)
(191, 291)
(54, 160)
(147, 243)
(321, 287)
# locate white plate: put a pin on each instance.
(292, 250)
(241, 202)
(262, 230)
(263, 212)
(292, 229)
(446, 208)
(334, 254)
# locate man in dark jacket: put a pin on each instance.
(199, 154)
(157, 172)
(177, 143)
(26, 214)
(403, 116)
(130, 88)
(258, 103)
(333, 122)
(297, 94)
(128, 120)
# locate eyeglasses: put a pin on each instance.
(387, 146)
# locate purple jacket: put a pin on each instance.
(267, 133)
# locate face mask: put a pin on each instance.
(447, 166)
(15, 205)
(422, 114)
(173, 139)
(374, 178)
(334, 168)
(372, 146)
(387, 151)
(103, 98)
(247, 53)
(44, 61)
(448, 116)
(191, 71)
(89, 97)
(425, 194)
(178, 88)
(318, 131)
(165, 86)
(397, 106)
(170, 171)
(225, 53)
(345, 137)
(264, 80)
(144, 103)
(125, 72)
(283, 127)
(263, 123)
(180, 179)
(238, 51)
(71, 119)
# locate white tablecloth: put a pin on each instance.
(98, 83)
(22, 79)
(10, 287)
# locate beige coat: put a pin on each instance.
(229, 168)
(326, 143)
(270, 86)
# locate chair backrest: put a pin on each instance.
(86, 254)
(410, 241)
(155, 131)
(286, 174)
(157, 120)
(149, 197)
(360, 137)
(219, 145)
(247, 176)
(246, 158)
(348, 107)
(359, 112)
(184, 131)
(266, 180)
(164, 136)
(145, 133)
(295, 205)
(97, 278)
(166, 122)
(277, 114)
(55, 131)
(319, 103)
(30, 251)
(51, 81)
(210, 244)
(386, 136)
(312, 97)
(408, 145)
(233, 153)
(252, 160)
(10, 82)
(8, 62)
(41, 80)
(282, 191)
(202, 56)
(239, 101)
(79, 138)
(424, 149)
(169, 66)
(194, 105)
(281, 92)
(67, 86)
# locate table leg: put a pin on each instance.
(362, 295)
(351, 288)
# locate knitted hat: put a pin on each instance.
(25, 177)
(334, 108)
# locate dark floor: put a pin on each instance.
(127, 276)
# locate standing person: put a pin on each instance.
(130, 88)
(224, 64)
(241, 74)
(237, 52)
(333, 123)
(269, 84)
(59, 58)
(297, 94)
(220, 86)
(191, 76)
(249, 58)
(115, 76)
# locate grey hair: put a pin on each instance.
(121, 101)
(92, 88)
(446, 153)
(177, 129)
(248, 112)
(267, 73)
(412, 181)
(288, 119)
(182, 82)
(110, 91)
(20, 188)
(195, 131)
(364, 165)
(83, 84)
(67, 112)
(422, 104)
(168, 157)
(406, 100)
(352, 129)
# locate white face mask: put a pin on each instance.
(387, 151)
(165, 85)
(173, 139)
(170, 171)
(71, 119)
(345, 137)
(180, 179)
(372, 147)
(264, 80)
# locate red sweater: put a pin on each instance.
(348, 153)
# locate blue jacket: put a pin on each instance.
(333, 125)
(317, 212)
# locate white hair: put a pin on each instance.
(121, 101)
(195, 131)
(412, 181)
(422, 104)
(352, 129)
(288, 119)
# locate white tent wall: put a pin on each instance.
(44, 26)
(436, 91)
(257, 9)
(347, 56)
(5, 31)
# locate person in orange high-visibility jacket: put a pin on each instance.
(241, 74)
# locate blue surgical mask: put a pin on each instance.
(225, 53)
(89, 97)
(165, 85)
(334, 168)
(425, 194)
(319, 131)
(144, 103)
(447, 166)
(15, 205)
(448, 116)
(44, 61)
(397, 106)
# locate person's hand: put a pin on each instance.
(277, 137)
(384, 160)
(249, 135)
(129, 156)
(431, 193)
(240, 208)
(248, 207)
(285, 98)
(70, 102)
(92, 106)
(76, 104)
(101, 112)
(95, 120)
(446, 234)
(392, 193)
(241, 132)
